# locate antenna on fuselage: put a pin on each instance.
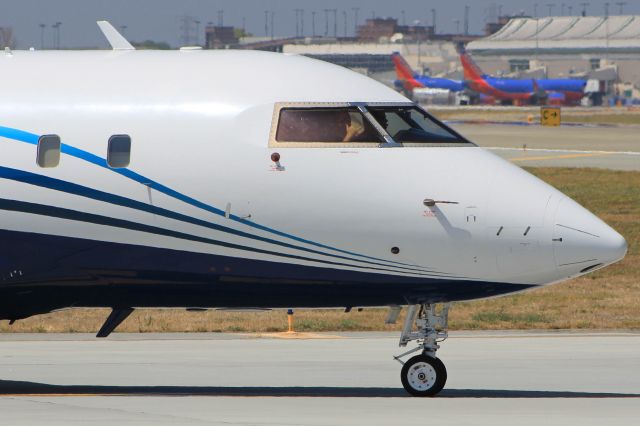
(115, 39)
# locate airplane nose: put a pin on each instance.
(582, 241)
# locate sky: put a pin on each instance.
(160, 20)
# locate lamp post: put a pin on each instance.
(42, 27)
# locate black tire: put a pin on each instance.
(423, 375)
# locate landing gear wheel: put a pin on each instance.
(423, 375)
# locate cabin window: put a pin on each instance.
(48, 151)
(325, 125)
(119, 151)
(411, 125)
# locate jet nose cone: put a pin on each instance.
(582, 241)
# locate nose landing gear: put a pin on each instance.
(424, 374)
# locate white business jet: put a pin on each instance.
(238, 179)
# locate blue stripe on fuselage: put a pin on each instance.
(32, 138)
(83, 191)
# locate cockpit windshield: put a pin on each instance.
(332, 125)
(411, 125)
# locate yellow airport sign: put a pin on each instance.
(550, 116)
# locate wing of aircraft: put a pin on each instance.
(136, 179)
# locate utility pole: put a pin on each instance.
(297, 22)
(621, 4)
(355, 20)
(266, 23)
(335, 22)
(42, 27)
(499, 10)
(457, 22)
(535, 10)
(197, 31)
(562, 6)
(302, 22)
(570, 10)
(550, 6)
(466, 20)
(404, 20)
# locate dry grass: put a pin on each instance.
(606, 299)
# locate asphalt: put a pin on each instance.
(494, 378)
(609, 147)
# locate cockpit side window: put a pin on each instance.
(411, 125)
(325, 125)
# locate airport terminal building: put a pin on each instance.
(593, 46)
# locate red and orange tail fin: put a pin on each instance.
(403, 69)
(471, 70)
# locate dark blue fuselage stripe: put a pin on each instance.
(62, 213)
(83, 191)
(31, 138)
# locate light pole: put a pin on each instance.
(584, 8)
(355, 20)
(344, 15)
(606, 21)
(313, 23)
(416, 23)
(56, 34)
(42, 27)
(433, 20)
(272, 24)
(197, 31)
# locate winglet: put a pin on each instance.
(115, 39)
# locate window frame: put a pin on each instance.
(362, 107)
(39, 147)
(110, 141)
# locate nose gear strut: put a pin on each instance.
(424, 374)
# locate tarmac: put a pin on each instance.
(497, 378)
(532, 145)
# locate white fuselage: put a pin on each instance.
(200, 124)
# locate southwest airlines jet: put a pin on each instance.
(140, 179)
(564, 91)
(408, 80)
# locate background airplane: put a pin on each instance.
(555, 91)
(408, 79)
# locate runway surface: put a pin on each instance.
(351, 379)
(610, 147)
